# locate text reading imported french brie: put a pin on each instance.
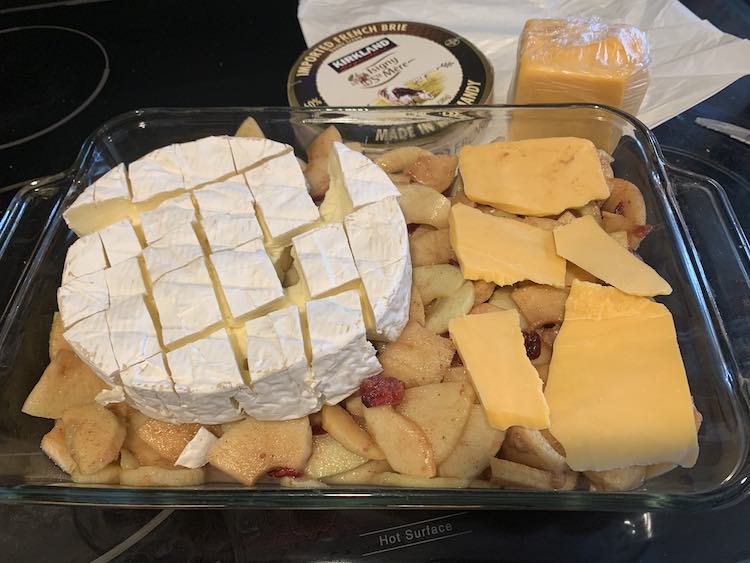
(536, 177)
(504, 251)
(617, 390)
(492, 349)
(587, 245)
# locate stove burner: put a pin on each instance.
(49, 75)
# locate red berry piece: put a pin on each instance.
(318, 430)
(380, 390)
(641, 231)
(284, 472)
(533, 343)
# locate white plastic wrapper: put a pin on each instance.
(690, 59)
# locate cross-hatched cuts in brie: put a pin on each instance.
(175, 249)
(323, 258)
(195, 325)
(83, 296)
(90, 341)
(380, 246)
(280, 190)
(120, 242)
(186, 302)
(169, 215)
(341, 355)
(131, 331)
(250, 151)
(157, 174)
(280, 387)
(85, 256)
(247, 278)
(204, 160)
(355, 181)
(148, 386)
(206, 377)
(104, 201)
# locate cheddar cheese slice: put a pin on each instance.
(504, 251)
(492, 349)
(534, 177)
(617, 390)
(588, 246)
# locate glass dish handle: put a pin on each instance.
(721, 255)
(22, 227)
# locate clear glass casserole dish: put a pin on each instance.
(696, 245)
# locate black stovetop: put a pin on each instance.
(67, 67)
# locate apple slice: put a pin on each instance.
(145, 454)
(330, 458)
(475, 449)
(252, 447)
(623, 479)
(53, 444)
(359, 475)
(340, 424)
(146, 476)
(166, 439)
(404, 444)
(512, 475)
(107, 475)
(93, 435)
(388, 479)
(67, 382)
(56, 340)
(441, 410)
(418, 356)
(530, 447)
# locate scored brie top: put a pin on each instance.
(174, 290)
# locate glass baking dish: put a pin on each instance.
(696, 245)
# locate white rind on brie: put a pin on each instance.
(247, 277)
(206, 377)
(186, 302)
(341, 354)
(280, 377)
(157, 174)
(169, 320)
(131, 331)
(283, 202)
(148, 386)
(120, 242)
(355, 181)
(250, 151)
(82, 297)
(380, 245)
(112, 187)
(124, 280)
(195, 454)
(323, 259)
(172, 213)
(204, 160)
(227, 197)
(90, 341)
(174, 250)
(85, 256)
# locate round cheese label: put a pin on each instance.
(391, 64)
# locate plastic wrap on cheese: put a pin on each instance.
(581, 60)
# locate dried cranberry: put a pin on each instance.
(641, 231)
(620, 208)
(284, 472)
(317, 430)
(533, 343)
(380, 390)
(411, 227)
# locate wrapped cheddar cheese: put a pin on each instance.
(581, 60)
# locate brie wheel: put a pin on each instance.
(176, 295)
